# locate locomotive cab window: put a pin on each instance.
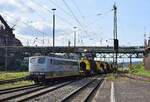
(75, 63)
(51, 61)
(41, 60)
(32, 60)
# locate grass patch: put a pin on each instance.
(16, 84)
(123, 70)
(111, 77)
(139, 70)
(115, 77)
(12, 75)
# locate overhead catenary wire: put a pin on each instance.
(70, 15)
(67, 6)
(25, 23)
(61, 18)
(39, 14)
(73, 16)
(51, 1)
(81, 15)
(18, 33)
(94, 22)
(49, 10)
(77, 7)
(76, 19)
(41, 32)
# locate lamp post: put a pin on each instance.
(75, 36)
(54, 9)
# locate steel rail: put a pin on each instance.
(89, 97)
(32, 95)
(72, 94)
(76, 91)
(20, 94)
(9, 90)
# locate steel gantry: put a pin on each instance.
(106, 53)
(132, 50)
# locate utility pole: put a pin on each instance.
(116, 42)
(74, 36)
(43, 39)
(145, 41)
(69, 43)
(115, 21)
(6, 52)
(54, 9)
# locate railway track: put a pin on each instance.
(9, 90)
(84, 93)
(26, 93)
(27, 97)
(63, 93)
(18, 93)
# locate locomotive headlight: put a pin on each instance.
(85, 50)
(41, 73)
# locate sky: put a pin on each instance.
(32, 21)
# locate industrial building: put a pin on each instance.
(147, 55)
(7, 38)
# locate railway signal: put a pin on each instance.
(116, 42)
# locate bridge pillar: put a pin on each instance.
(130, 62)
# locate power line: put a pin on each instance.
(60, 8)
(14, 24)
(25, 23)
(48, 10)
(33, 9)
(71, 12)
(73, 15)
(75, 4)
(61, 18)
(81, 14)
(76, 19)
(78, 9)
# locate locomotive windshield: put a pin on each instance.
(33, 60)
(41, 60)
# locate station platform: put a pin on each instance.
(123, 90)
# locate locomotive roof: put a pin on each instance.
(55, 57)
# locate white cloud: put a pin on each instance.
(13, 2)
(33, 41)
(41, 25)
(36, 17)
